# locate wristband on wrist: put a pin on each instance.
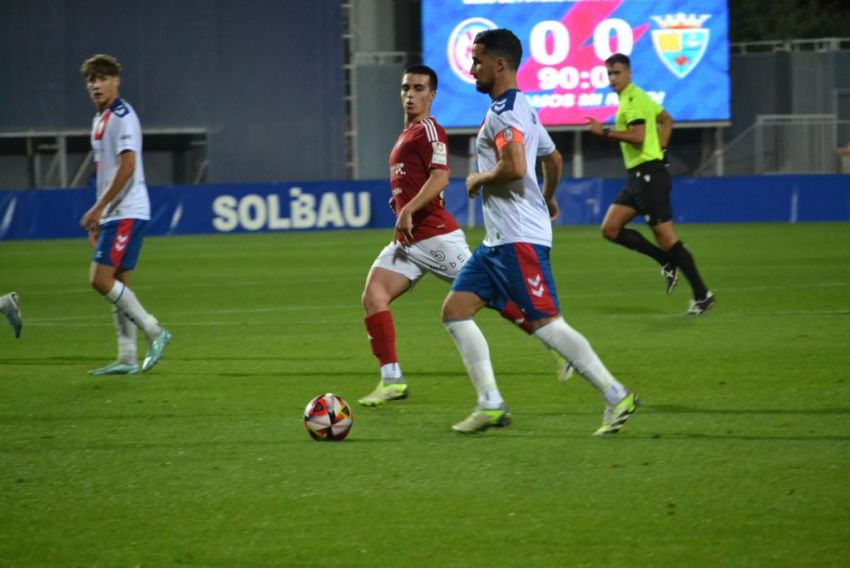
(606, 132)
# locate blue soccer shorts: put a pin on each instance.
(520, 272)
(120, 243)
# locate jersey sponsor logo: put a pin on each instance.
(459, 48)
(681, 41)
(438, 156)
(397, 169)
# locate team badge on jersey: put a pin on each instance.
(460, 45)
(681, 42)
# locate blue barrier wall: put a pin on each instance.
(183, 210)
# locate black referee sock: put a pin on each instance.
(632, 239)
(682, 258)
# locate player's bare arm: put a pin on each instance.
(511, 166)
(437, 181)
(665, 128)
(91, 219)
(553, 166)
(633, 135)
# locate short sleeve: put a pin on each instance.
(129, 135)
(634, 115)
(435, 146)
(506, 128)
(545, 145)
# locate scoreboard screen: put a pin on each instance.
(679, 51)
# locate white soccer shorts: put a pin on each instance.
(443, 256)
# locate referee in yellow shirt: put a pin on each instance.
(643, 129)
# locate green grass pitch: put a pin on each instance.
(739, 456)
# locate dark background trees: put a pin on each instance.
(759, 20)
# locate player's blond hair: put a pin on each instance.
(100, 64)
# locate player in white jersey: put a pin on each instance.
(116, 222)
(513, 262)
(10, 306)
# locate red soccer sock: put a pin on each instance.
(381, 330)
(513, 314)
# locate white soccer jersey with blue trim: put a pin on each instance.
(114, 131)
(514, 211)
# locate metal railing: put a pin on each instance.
(782, 144)
(62, 158)
(795, 143)
(819, 44)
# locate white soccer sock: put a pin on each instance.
(475, 353)
(572, 345)
(124, 298)
(5, 302)
(391, 374)
(125, 331)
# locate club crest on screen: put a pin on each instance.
(681, 42)
(459, 49)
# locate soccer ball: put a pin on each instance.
(328, 418)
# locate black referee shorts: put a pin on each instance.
(648, 192)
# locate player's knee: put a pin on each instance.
(666, 244)
(453, 310)
(610, 232)
(447, 314)
(374, 301)
(446, 311)
(101, 285)
(666, 239)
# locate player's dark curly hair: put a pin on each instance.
(619, 58)
(419, 69)
(101, 64)
(501, 43)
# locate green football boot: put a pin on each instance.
(384, 393)
(156, 350)
(482, 419)
(615, 416)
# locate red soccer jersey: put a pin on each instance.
(420, 148)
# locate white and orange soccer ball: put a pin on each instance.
(328, 418)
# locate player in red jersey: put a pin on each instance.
(427, 237)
